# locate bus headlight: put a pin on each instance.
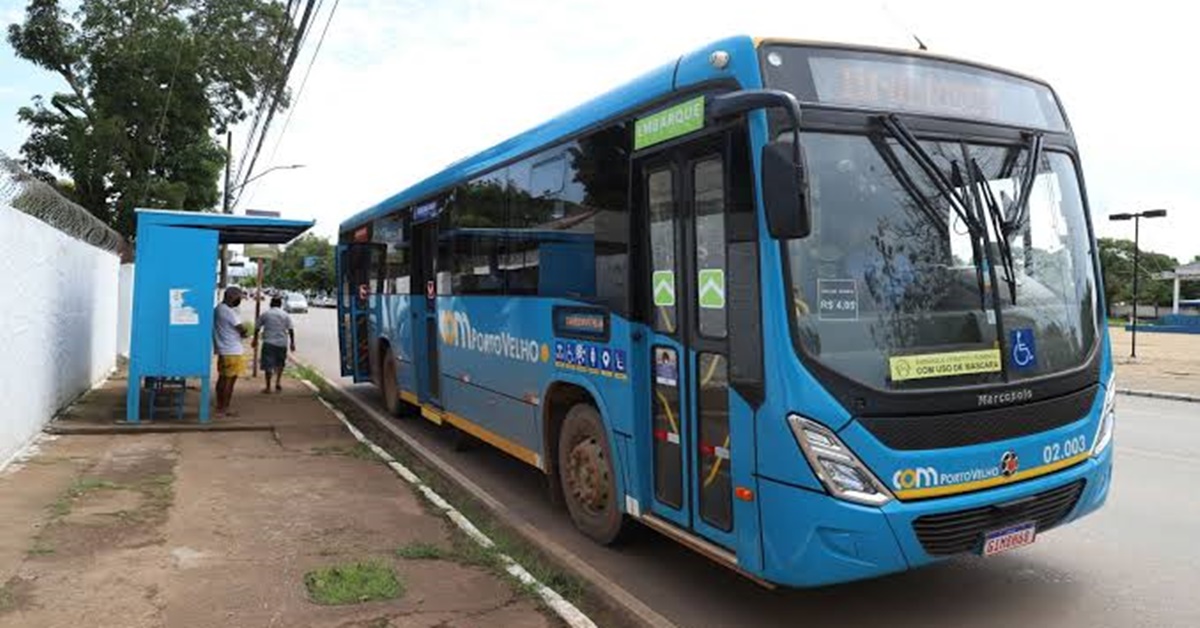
(842, 473)
(1108, 419)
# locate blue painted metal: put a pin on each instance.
(174, 292)
(493, 353)
(1172, 324)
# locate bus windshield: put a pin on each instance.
(894, 286)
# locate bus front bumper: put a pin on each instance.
(811, 539)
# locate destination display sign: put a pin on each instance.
(914, 84)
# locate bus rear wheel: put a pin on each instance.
(389, 389)
(585, 469)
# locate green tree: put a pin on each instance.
(288, 272)
(149, 82)
(1116, 262)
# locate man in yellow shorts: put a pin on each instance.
(228, 332)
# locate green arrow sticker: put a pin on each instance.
(712, 288)
(663, 284)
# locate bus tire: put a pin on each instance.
(388, 387)
(585, 469)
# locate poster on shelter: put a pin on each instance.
(181, 313)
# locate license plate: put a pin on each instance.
(1012, 537)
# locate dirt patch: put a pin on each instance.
(1165, 362)
(15, 595)
(220, 529)
(121, 503)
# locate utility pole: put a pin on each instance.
(225, 206)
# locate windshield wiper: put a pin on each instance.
(906, 181)
(1021, 204)
(957, 203)
(913, 147)
(999, 226)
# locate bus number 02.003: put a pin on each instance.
(1066, 449)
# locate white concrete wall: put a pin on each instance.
(124, 309)
(58, 323)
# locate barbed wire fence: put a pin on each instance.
(28, 194)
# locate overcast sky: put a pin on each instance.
(404, 87)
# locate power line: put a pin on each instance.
(280, 47)
(299, 93)
(293, 53)
(303, 82)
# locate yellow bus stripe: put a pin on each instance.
(520, 452)
(432, 414)
(438, 416)
(953, 489)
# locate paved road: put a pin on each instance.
(1135, 563)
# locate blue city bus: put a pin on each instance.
(820, 312)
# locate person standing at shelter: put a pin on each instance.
(228, 332)
(277, 335)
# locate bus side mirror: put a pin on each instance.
(785, 191)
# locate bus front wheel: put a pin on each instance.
(585, 469)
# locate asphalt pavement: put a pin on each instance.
(1134, 563)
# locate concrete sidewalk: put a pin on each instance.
(220, 528)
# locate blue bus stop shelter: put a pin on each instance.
(174, 293)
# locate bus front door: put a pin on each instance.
(354, 266)
(683, 193)
(426, 334)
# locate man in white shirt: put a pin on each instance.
(228, 332)
(277, 334)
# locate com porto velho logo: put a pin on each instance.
(456, 331)
(929, 477)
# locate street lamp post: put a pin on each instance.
(227, 199)
(1136, 217)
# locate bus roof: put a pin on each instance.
(686, 70)
(689, 69)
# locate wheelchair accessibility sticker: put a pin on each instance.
(1022, 351)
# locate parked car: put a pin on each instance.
(295, 302)
(322, 300)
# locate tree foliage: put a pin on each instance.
(1116, 261)
(149, 82)
(288, 272)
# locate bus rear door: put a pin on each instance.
(424, 311)
(355, 263)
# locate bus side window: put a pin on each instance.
(474, 235)
(392, 232)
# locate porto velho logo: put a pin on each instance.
(456, 330)
(929, 477)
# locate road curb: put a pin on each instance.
(1154, 394)
(613, 595)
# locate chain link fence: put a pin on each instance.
(26, 193)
